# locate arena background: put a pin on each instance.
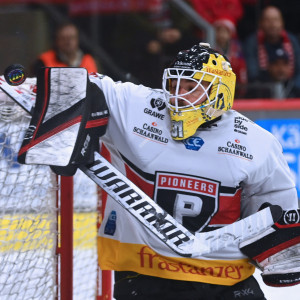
(113, 32)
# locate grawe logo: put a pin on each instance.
(158, 103)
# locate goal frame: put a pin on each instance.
(63, 226)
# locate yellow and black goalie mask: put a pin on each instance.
(199, 86)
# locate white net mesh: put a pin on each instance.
(27, 216)
(28, 221)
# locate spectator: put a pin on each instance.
(160, 51)
(155, 46)
(224, 15)
(227, 43)
(278, 69)
(278, 73)
(260, 46)
(66, 51)
(211, 10)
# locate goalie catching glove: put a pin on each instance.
(277, 251)
(69, 116)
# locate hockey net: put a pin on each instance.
(30, 214)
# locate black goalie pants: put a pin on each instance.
(130, 285)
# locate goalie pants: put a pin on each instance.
(130, 285)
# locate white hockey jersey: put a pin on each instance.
(221, 174)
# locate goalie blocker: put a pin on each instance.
(66, 124)
(277, 251)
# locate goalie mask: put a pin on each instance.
(199, 86)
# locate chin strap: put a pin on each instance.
(214, 113)
(210, 123)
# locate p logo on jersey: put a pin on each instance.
(192, 200)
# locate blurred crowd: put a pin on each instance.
(250, 33)
(266, 60)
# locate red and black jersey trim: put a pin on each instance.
(142, 174)
(229, 202)
(229, 206)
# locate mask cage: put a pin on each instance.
(196, 76)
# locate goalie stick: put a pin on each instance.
(152, 216)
